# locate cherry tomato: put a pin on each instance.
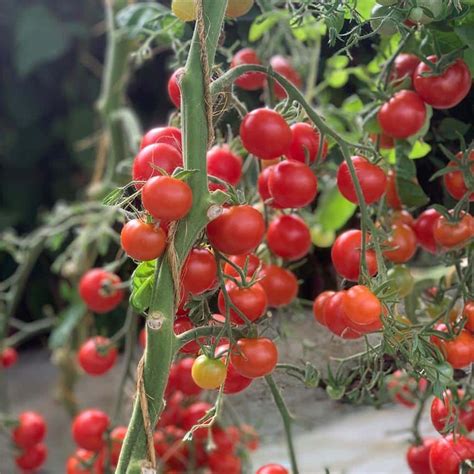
(224, 463)
(305, 143)
(174, 91)
(96, 357)
(262, 184)
(468, 314)
(280, 285)
(402, 217)
(444, 413)
(361, 306)
(98, 289)
(183, 324)
(236, 8)
(404, 66)
(403, 115)
(402, 244)
(185, 381)
(336, 319)
(446, 454)
(424, 227)
(288, 237)
(199, 272)
(192, 416)
(32, 458)
(372, 180)
(167, 135)
(346, 255)
(79, 462)
(31, 429)
(8, 357)
(169, 445)
(247, 263)
(454, 181)
(272, 469)
(385, 142)
(459, 352)
(318, 306)
(224, 164)
(254, 358)
(400, 280)
(142, 241)
(167, 198)
(265, 134)
(208, 373)
(282, 66)
(252, 302)
(418, 456)
(237, 231)
(453, 234)
(88, 429)
(393, 199)
(250, 81)
(445, 90)
(404, 389)
(157, 155)
(116, 437)
(235, 382)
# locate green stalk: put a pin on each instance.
(162, 344)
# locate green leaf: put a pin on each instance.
(334, 210)
(450, 128)
(70, 318)
(309, 29)
(337, 78)
(419, 150)
(353, 104)
(40, 37)
(142, 285)
(264, 23)
(364, 7)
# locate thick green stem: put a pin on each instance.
(161, 341)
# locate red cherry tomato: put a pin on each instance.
(444, 413)
(305, 143)
(418, 456)
(361, 306)
(445, 90)
(116, 437)
(282, 66)
(185, 381)
(169, 445)
(250, 81)
(459, 352)
(98, 289)
(280, 285)
(157, 155)
(168, 135)
(31, 429)
(88, 429)
(372, 180)
(393, 199)
(192, 416)
(468, 314)
(183, 324)
(318, 306)
(401, 242)
(96, 357)
(292, 184)
(174, 90)
(251, 301)
(402, 217)
(385, 142)
(254, 358)
(265, 134)
(237, 231)
(424, 227)
(446, 454)
(167, 198)
(8, 357)
(404, 66)
(77, 464)
(405, 389)
(224, 164)
(335, 318)
(403, 115)
(454, 181)
(224, 463)
(288, 237)
(247, 263)
(32, 458)
(272, 469)
(199, 272)
(453, 234)
(234, 382)
(346, 255)
(142, 241)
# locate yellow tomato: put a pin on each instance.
(237, 8)
(185, 10)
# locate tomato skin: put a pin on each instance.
(94, 296)
(192, 415)
(236, 8)
(424, 227)
(361, 306)
(404, 389)
(168, 442)
(446, 454)
(8, 357)
(224, 463)
(468, 314)
(453, 234)
(404, 66)
(142, 241)
(167, 198)
(91, 358)
(31, 429)
(32, 458)
(167, 135)
(403, 243)
(254, 358)
(443, 413)
(391, 194)
(262, 185)
(185, 381)
(418, 456)
(318, 306)
(88, 429)
(174, 91)
(282, 66)
(402, 217)
(336, 319)
(237, 231)
(235, 382)
(272, 469)
(161, 155)
(403, 115)
(292, 184)
(182, 324)
(199, 272)
(117, 436)
(280, 285)
(265, 134)
(250, 81)
(445, 90)
(82, 456)
(454, 181)
(224, 164)
(251, 301)
(305, 139)
(251, 260)
(459, 352)
(346, 255)
(372, 180)
(289, 237)
(207, 373)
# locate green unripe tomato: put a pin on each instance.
(185, 10)
(322, 238)
(400, 280)
(384, 24)
(208, 373)
(417, 14)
